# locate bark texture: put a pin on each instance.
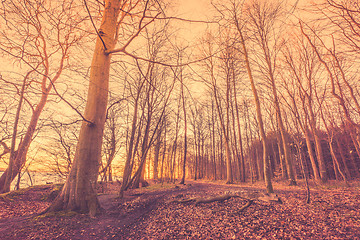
(78, 192)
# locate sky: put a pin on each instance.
(193, 10)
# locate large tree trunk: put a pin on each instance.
(79, 192)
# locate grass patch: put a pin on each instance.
(13, 194)
(56, 188)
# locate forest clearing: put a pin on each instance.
(157, 212)
(179, 119)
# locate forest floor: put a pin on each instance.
(163, 212)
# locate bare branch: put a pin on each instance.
(92, 22)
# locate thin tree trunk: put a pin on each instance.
(332, 152)
(304, 174)
(311, 156)
(242, 161)
(5, 186)
(185, 135)
(343, 159)
(157, 154)
(267, 177)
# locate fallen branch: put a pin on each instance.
(264, 197)
(220, 198)
(272, 197)
(197, 200)
(246, 205)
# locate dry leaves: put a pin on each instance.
(332, 214)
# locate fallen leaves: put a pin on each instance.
(156, 215)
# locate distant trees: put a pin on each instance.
(60, 147)
(290, 74)
(150, 92)
(113, 137)
(213, 65)
(305, 70)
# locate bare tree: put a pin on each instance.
(78, 192)
(238, 23)
(263, 19)
(222, 103)
(305, 70)
(28, 37)
(112, 137)
(60, 147)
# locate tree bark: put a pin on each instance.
(156, 155)
(267, 176)
(78, 193)
(185, 134)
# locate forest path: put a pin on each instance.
(155, 213)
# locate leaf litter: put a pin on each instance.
(158, 214)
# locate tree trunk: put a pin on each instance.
(225, 131)
(284, 173)
(129, 155)
(343, 159)
(311, 156)
(300, 152)
(185, 135)
(79, 191)
(283, 133)
(320, 157)
(267, 177)
(213, 140)
(156, 155)
(241, 160)
(336, 161)
(6, 179)
(164, 152)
